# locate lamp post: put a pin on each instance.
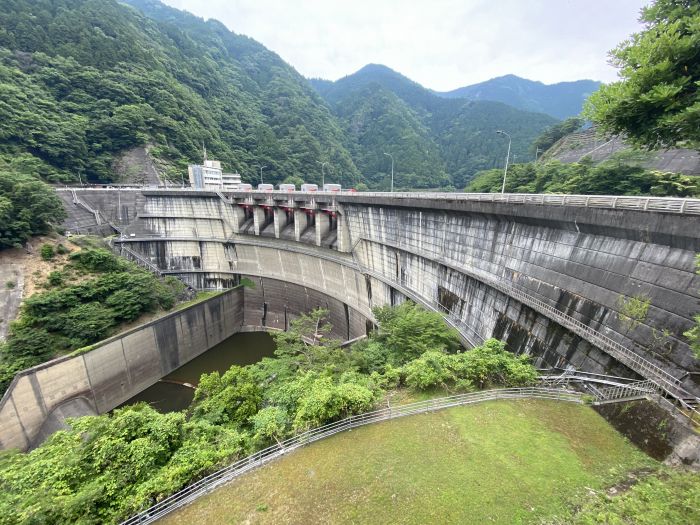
(505, 171)
(392, 170)
(261, 177)
(323, 178)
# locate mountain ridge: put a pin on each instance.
(559, 100)
(462, 130)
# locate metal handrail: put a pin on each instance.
(226, 474)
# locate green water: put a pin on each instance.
(240, 349)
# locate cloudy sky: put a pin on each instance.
(442, 44)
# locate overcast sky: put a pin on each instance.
(442, 44)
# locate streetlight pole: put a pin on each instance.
(323, 178)
(261, 177)
(392, 170)
(505, 171)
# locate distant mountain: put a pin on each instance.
(430, 136)
(561, 100)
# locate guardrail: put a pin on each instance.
(617, 202)
(226, 474)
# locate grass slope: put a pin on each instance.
(497, 462)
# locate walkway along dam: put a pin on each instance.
(551, 275)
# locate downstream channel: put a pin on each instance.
(171, 393)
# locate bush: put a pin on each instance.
(56, 278)
(97, 260)
(61, 250)
(486, 365)
(10, 285)
(47, 252)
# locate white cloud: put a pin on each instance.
(442, 44)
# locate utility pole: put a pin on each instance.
(392, 170)
(505, 171)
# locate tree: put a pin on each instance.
(307, 343)
(27, 207)
(657, 101)
(408, 330)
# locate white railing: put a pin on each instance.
(652, 204)
(241, 466)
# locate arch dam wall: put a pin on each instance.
(548, 274)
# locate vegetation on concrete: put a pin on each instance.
(90, 294)
(27, 207)
(500, 462)
(656, 103)
(107, 467)
(693, 334)
(585, 178)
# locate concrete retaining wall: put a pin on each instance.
(39, 398)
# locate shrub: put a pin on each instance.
(47, 252)
(97, 260)
(10, 285)
(56, 278)
(61, 250)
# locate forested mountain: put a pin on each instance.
(561, 100)
(426, 133)
(84, 79)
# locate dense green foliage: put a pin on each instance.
(671, 498)
(107, 291)
(27, 207)
(657, 102)
(607, 178)
(429, 136)
(85, 79)
(107, 467)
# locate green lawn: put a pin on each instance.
(497, 462)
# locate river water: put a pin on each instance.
(240, 349)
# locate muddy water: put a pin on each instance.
(170, 394)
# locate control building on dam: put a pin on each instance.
(550, 275)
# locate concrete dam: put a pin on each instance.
(549, 274)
